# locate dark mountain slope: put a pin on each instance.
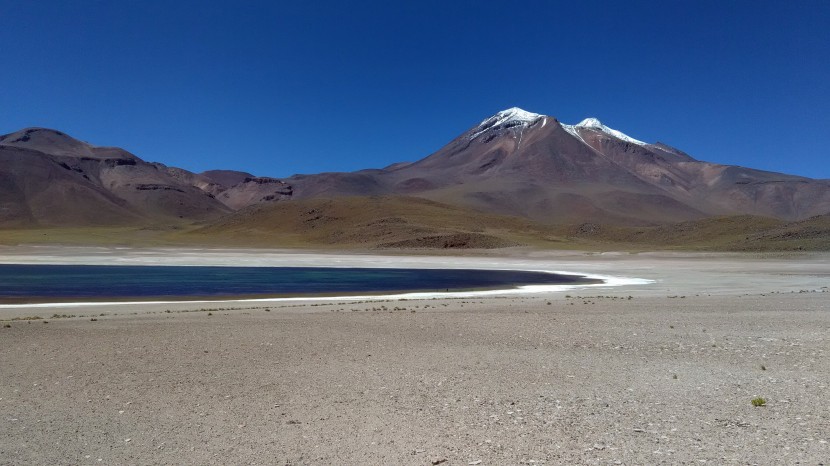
(51, 179)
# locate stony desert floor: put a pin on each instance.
(648, 373)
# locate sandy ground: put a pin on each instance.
(648, 373)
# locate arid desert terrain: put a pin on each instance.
(657, 370)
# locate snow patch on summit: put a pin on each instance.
(590, 123)
(593, 123)
(520, 119)
(510, 118)
(512, 114)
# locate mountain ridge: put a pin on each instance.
(525, 163)
(514, 162)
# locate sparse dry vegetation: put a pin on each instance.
(759, 401)
(391, 222)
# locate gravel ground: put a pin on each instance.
(551, 379)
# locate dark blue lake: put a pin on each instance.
(33, 283)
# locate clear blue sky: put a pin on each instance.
(277, 88)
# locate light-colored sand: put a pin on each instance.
(663, 377)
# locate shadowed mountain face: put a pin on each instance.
(532, 165)
(48, 178)
(51, 179)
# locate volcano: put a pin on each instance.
(532, 165)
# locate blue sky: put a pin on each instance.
(277, 88)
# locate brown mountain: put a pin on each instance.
(531, 165)
(48, 178)
(232, 188)
(514, 163)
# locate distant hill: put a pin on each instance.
(393, 222)
(812, 234)
(516, 178)
(51, 179)
(48, 178)
(376, 222)
(733, 233)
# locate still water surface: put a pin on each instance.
(29, 282)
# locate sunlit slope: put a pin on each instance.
(393, 223)
(386, 222)
(734, 233)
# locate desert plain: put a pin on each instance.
(660, 366)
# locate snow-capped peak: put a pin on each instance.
(513, 114)
(512, 117)
(519, 119)
(590, 123)
(593, 123)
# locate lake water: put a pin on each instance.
(34, 283)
